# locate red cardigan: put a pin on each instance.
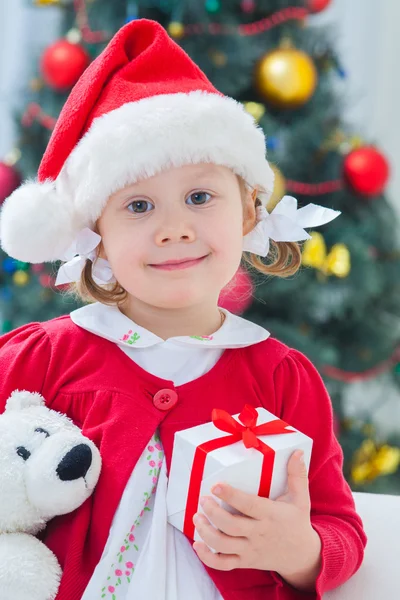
(111, 398)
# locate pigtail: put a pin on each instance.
(284, 258)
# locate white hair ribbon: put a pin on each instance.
(285, 223)
(81, 250)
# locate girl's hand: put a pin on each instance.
(274, 535)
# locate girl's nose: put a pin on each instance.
(175, 231)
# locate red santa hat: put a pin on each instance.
(141, 107)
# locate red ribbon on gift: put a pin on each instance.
(247, 431)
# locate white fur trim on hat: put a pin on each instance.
(132, 142)
(37, 223)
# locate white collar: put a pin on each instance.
(110, 323)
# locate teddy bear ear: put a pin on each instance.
(23, 399)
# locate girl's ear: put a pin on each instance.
(100, 250)
(249, 211)
(102, 254)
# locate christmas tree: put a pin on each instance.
(342, 309)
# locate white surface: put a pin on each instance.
(379, 576)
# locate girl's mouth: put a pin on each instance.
(185, 264)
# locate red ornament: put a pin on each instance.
(316, 6)
(38, 268)
(10, 179)
(46, 281)
(366, 170)
(63, 63)
(238, 294)
(248, 6)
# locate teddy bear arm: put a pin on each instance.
(28, 569)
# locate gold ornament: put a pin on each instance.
(371, 461)
(337, 262)
(279, 189)
(255, 109)
(47, 2)
(286, 77)
(176, 30)
(21, 278)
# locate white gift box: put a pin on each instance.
(234, 464)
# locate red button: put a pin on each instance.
(165, 399)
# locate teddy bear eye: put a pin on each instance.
(23, 452)
(41, 430)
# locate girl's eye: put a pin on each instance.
(139, 206)
(200, 198)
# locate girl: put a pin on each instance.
(151, 187)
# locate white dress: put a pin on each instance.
(145, 557)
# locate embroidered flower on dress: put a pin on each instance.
(202, 338)
(130, 337)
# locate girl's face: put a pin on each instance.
(189, 212)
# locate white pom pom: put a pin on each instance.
(36, 223)
(23, 399)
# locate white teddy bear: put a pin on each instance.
(47, 468)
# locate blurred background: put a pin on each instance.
(320, 77)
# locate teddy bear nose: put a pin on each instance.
(75, 464)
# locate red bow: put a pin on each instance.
(247, 430)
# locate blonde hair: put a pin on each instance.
(284, 260)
